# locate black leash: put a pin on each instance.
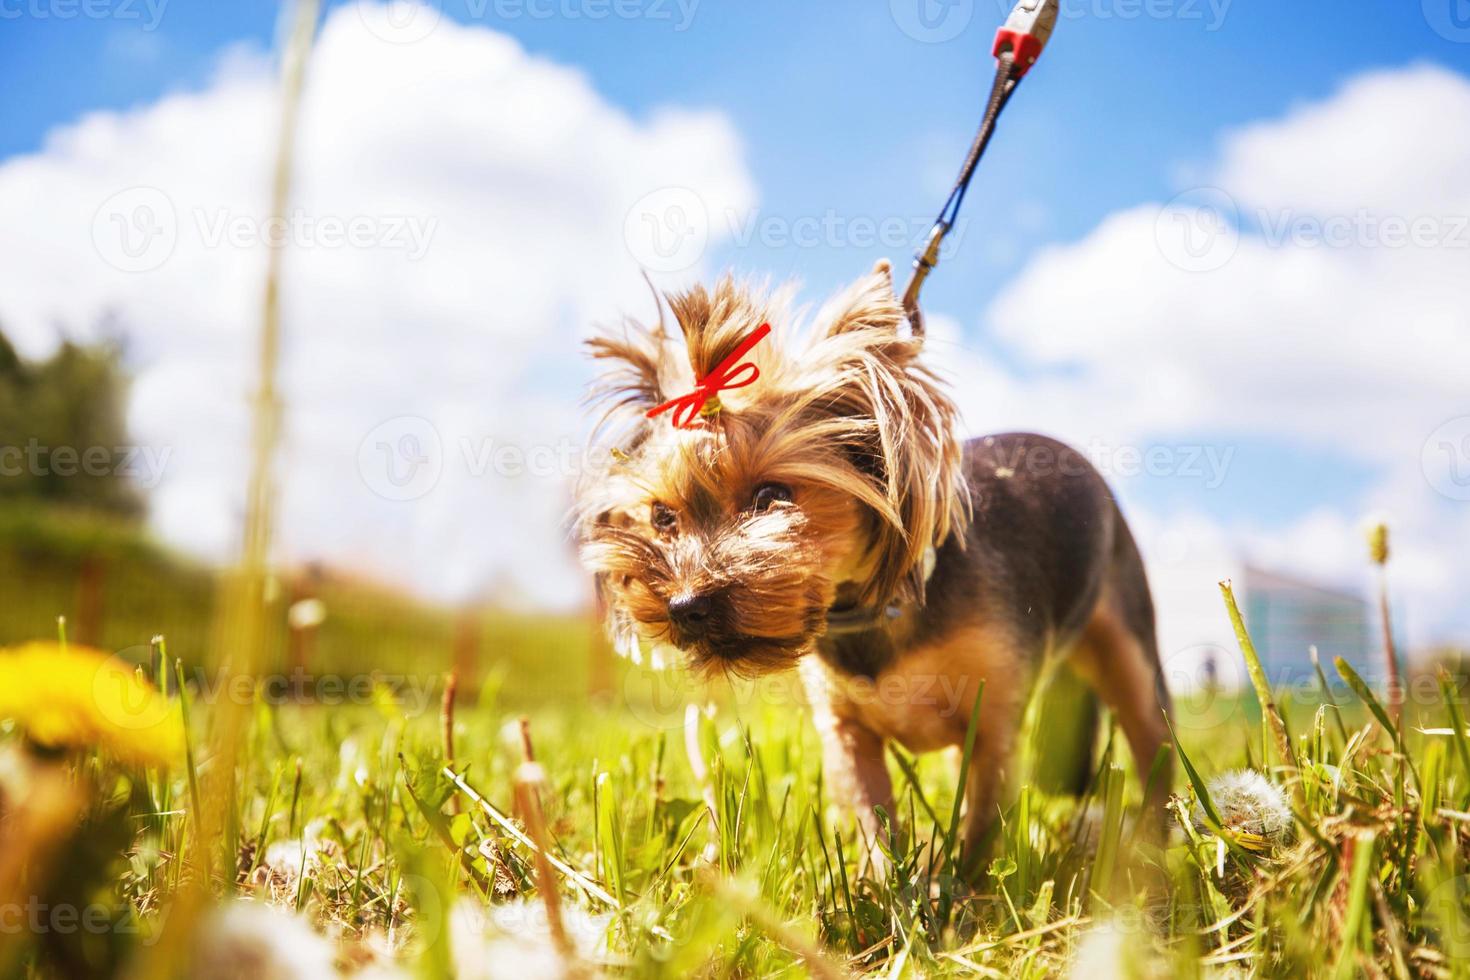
(1017, 46)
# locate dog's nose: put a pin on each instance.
(690, 612)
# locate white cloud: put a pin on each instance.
(1305, 325)
(1388, 141)
(460, 221)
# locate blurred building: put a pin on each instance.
(1286, 617)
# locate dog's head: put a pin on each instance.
(838, 467)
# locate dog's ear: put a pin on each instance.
(869, 304)
(630, 381)
(897, 424)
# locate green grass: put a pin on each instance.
(765, 884)
(728, 859)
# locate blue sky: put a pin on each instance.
(836, 105)
(837, 111)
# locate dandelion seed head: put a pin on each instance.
(1112, 951)
(1249, 802)
(513, 941)
(251, 939)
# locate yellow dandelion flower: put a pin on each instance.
(78, 698)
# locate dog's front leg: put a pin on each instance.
(853, 765)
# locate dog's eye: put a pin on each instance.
(769, 494)
(663, 517)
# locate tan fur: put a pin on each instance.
(923, 702)
(862, 433)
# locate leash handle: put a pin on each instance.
(1018, 46)
(1026, 32)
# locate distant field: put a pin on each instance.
(118, 589)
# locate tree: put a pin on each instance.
(63, 438)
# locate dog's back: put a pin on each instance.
(1047, 567)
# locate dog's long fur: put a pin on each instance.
(992, 553)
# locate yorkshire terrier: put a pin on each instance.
(820, 513)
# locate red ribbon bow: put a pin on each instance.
(729, 373)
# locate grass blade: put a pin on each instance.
(1260, 682)
(1200, 789)
(959, 797)
(1357, 909)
